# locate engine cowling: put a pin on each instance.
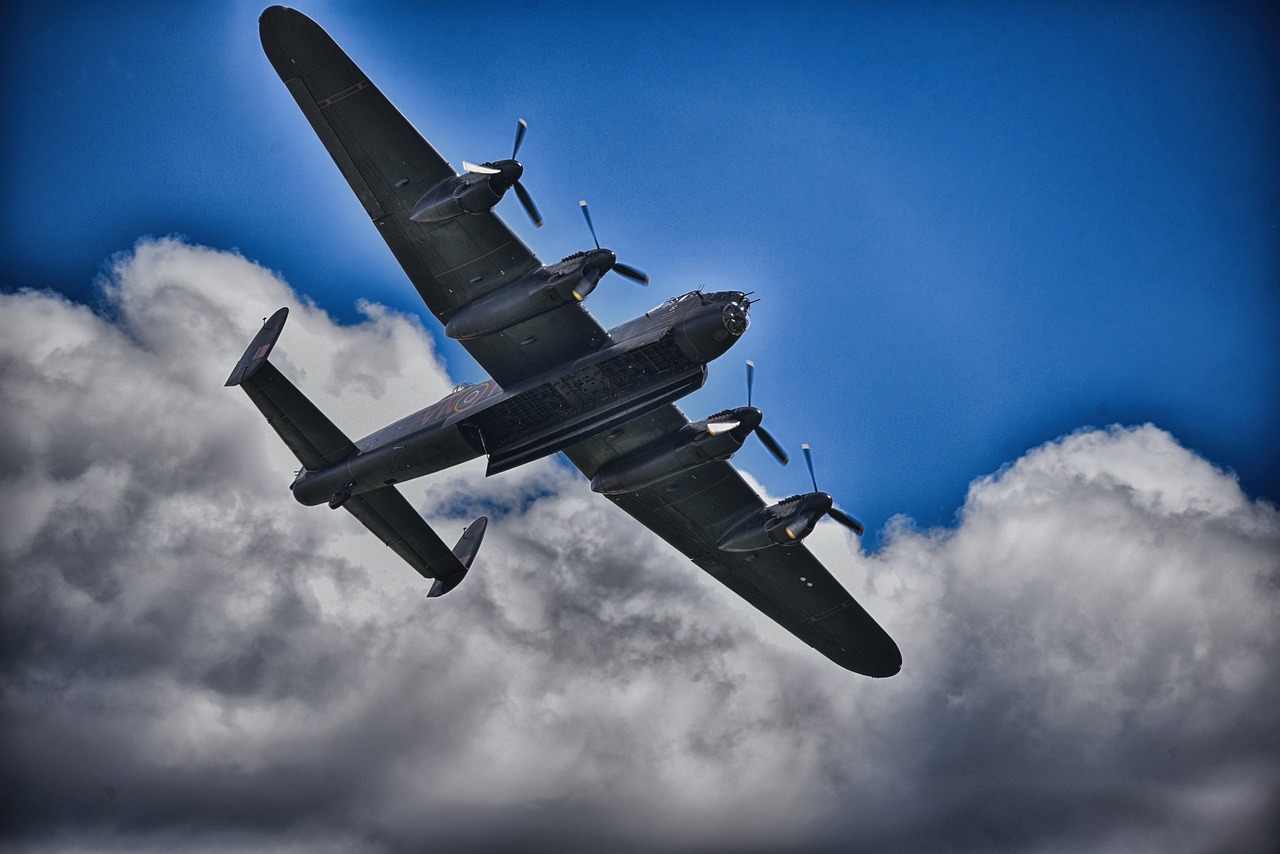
(690, 447)
(546, 288)
(786, 523)
(452, 197)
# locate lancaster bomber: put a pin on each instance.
(559, 381)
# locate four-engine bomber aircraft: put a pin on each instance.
(559, 381)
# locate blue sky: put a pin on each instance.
(974, 227)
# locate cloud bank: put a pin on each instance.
(194, 661)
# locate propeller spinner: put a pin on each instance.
(505, 174)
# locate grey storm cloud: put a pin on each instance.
(194, 661)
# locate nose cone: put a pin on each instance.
(709, 329)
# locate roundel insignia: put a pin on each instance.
(472, 396)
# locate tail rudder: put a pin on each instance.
(465, 551)
(256, 355)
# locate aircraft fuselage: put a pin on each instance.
(645, 363)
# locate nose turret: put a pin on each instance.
(736, 316)
(713, 325)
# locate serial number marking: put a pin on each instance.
(345, 93)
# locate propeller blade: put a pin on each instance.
(808, 458)
(628, 271)
(622, 269)
(478, 169)
(772, 444)
(520, 129)
(751, 378)
(845, 519)
(529, 207)
(583, 204)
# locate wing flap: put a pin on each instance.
(346, 165)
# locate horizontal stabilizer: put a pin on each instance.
(388, 514)
(312, 437)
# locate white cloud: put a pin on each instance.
(197, 661)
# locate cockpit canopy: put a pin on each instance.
(715, 296)
(663, 307)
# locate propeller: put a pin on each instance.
(834, 512)
(618, 267)
(762, 434)
(521, 127)
(508, 174)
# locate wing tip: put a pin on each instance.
(291, 41)
(881, 669)
(276, 16)
(881, 663)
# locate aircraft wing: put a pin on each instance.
(390, 166)
(692, 510)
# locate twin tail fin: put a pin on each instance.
(319, 444)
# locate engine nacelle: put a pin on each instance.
(784, 524)
(667, 457)
(452, 197)
(546, 288)
(690, 447)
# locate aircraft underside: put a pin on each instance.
(559, 382)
